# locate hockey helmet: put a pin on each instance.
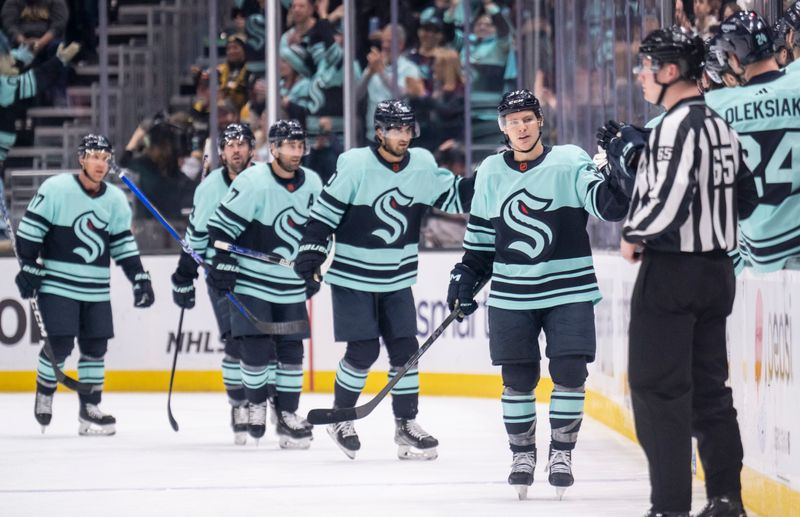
(95, 143)
(780, 30)
(237, 131)
(792, 16)
(747, 35)
(395, 114)
(519, 100)
(674, 45)
(716, 60)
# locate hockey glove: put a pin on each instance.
(463, 281)
(29, 279)
(310, 258)
(623, 144)
(312, 289)
(143, 295)
(182, 291)
(222, 276)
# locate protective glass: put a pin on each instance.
(402, 131)
(288, 146)
(103, 156)
(646, 65)
(517, 122)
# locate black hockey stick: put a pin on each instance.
(331, 416)
(178, 345)
(277, 328)
(63, 378)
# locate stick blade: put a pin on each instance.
(331, 416)
(172, 421)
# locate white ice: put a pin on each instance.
(149, 470)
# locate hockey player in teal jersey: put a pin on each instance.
(765, 112)
(527, 231)
(75, 224)
(236, 147)
(264, 210)
(374, 204)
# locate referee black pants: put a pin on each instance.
(677, 370)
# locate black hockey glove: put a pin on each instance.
(222, 276)
(143, 295)
(463, 281)
(312, 289)
(309, 259)
(182, 291)
(623, 144)
(29, 279)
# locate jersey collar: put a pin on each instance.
(526, 165)
(392, 166)
(293, 184)
(92, 195)
(767, 77)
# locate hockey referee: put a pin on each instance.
(691, 189)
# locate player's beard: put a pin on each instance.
(393, 151)
(236, 169)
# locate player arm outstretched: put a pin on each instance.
(603, 193)
(455, 193)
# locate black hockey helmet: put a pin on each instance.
(747, 35)
(519, 100)
(792, 16)
(286, 130)
(675, 45)
(780, 30)
(395, 113)
(237, 131)
(716, 60)
(94, 142)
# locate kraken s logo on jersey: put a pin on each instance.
(518, 214)
(386, 208)
(288, 226)
(85, 227)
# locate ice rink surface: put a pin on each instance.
(149, 470)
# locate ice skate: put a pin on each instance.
(723, 506)
(257, 420)
(293, 431)
(240, 417)
(273, 413)
(94, 422)
(521, 476)
(43, 409)
(560, 468)
(344, 434)
(413, 441)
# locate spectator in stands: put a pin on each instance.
(489, 46)
(294, 90)
(441, 114)
(15, 87)
(233, 78)
(377, 83)
(82, 26)
(40, 25)
(705, 19)
(256, 104)
(310, 48)
(156, 154)
(727, 9)
(430, 35)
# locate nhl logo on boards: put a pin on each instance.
(523, 166)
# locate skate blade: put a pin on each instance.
(89, 429)
(522, 491)
(44, 428)
(347, 452)
(560, 490)
(240, 438)
(407, 452)
(286, 442)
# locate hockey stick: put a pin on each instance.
(178, 345)
(63, 378)
(279, 328)
(264, 257)
(247, 252)
(331, 416)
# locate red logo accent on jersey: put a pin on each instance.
(395, 167)
(290, 187)
(290, 221)
(523, 166)
(522, 207)
(393, 203)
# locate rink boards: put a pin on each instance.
(762, 333)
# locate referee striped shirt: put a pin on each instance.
(692, 184)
